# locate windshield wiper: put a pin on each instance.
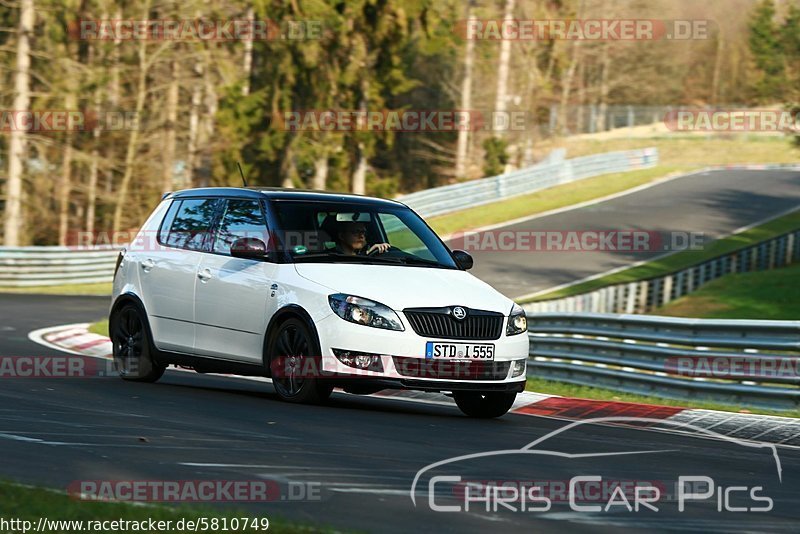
(327, 256)
(410, 260)
(334, 257)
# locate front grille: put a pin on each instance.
(440, 323)
(449, 370)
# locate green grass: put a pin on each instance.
(683, 259)
(64, 289)
(692, 150)
(548, 199)
(565, 389)
(773, 295)
(33, 503)
(100, 327)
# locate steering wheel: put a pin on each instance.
(375, 251)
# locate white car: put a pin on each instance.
(316, 290)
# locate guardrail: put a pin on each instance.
(45, 266)
(41, 266)
(449, 198)
(755, 363)
(645, 295)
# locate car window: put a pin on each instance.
(311, 231)
(401, 236)
(242, 218)
(166, 224)
(192, 223)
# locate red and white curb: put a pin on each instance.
(75, 339)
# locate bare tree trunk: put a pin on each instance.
(248, 53)
(113, 89)
(320, 179)
(194, 128)
(133, 139)
(169, 134)
(91, 193)
(566, 87)
(65, 184)
(581, 98)
(211, 102)
(358, 180)
(462, 148)
(531, 100)
(503, 66)
(359, 186)
(12, 223)
(605, 65)
(717, 68)
(94, 158)
(113, 98)
(288, 167)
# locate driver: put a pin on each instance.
(351, 239)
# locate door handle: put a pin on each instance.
(204, 275)
(148, 264)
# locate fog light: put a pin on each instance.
(518, 369)
(359, 360)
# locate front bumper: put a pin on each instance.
(377, 384)
(404, 365)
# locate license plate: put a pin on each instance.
(459, 351)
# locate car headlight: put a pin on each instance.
(364, 311)
(517, 321)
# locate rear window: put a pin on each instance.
(189, 224)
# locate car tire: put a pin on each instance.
(296, 364)
(484, 405)
(133, 351)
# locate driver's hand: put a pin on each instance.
(379, 248)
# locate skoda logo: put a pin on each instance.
(459, 313)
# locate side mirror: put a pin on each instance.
(250, 248)
(463, 259)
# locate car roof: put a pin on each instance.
(280, 193)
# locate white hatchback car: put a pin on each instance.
(316, 290)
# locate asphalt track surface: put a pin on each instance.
(361, 453)
(715, 203)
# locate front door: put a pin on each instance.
(232, 295)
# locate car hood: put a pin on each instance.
(401, 287)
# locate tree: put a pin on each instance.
(496, 156)
(767, 52)
(16, 147)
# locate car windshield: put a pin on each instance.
(357, 232)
